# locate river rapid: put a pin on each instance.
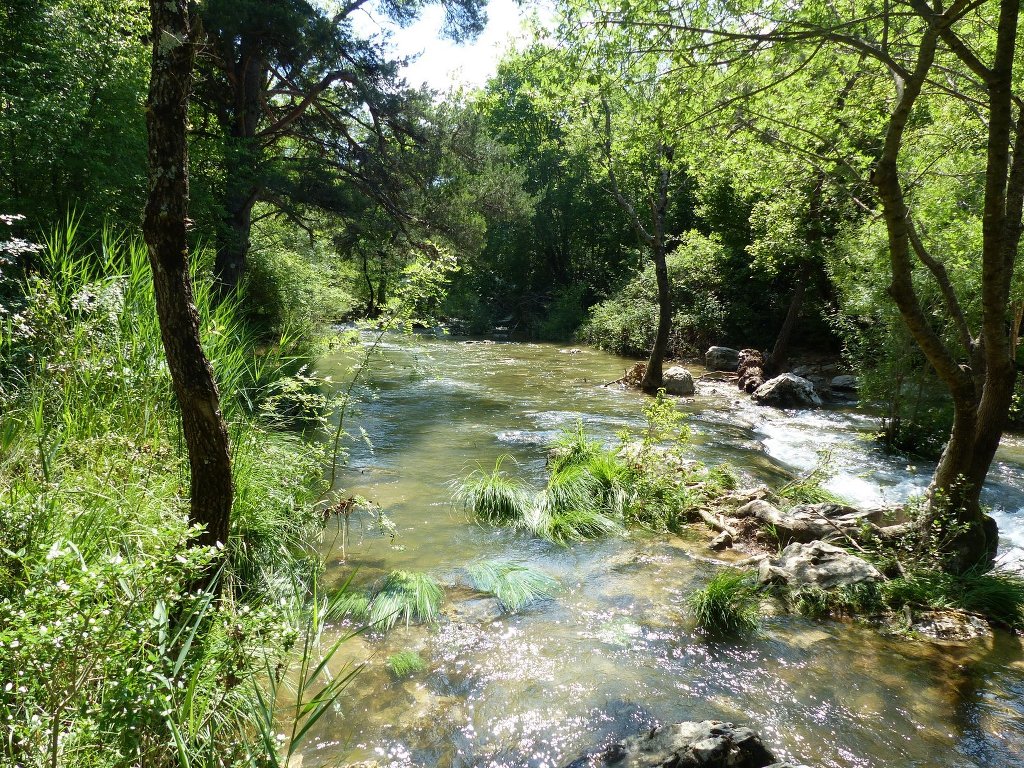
(612, 653)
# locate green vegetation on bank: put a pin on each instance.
(107, 656)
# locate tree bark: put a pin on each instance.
(652, 380)
(780, 352)
(165, 230)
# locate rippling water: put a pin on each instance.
(612, 652)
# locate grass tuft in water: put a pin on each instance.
(515, 585)
(572, 508)
(573, 448)
(407, 595)
(405, 663)
(727, 605)
(494, 497)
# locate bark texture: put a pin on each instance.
(165, 228)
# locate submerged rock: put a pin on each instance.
(677, 381)
(817, 564)
(787, 391)
(950, 626)
(706, 744)
(722, 359)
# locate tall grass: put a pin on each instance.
(110, 663)
(494, 497)
(405, 596)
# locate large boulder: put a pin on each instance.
(787, 391)
(807, 522)
(750, 370)
(677, 381)
(706, 744)
(721, 359)
(817, 564)
(844, 383)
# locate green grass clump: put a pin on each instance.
(572, 508)
(573, 448)
(515, 585)
(727, 605)
(407, 595)
(405, 663)
(997, 594)
(494, 497)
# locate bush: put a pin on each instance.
(626, 322)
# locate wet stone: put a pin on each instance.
(706, 744)
(817, 564)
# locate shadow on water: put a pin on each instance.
(613, 652)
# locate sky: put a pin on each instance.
(442, 64)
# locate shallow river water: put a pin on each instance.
(612, 652)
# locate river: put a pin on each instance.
(612, 652)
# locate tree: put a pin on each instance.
(944, 108)
(166, 234)
(293, 89)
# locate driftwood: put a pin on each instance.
(718, 523)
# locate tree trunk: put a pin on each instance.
(233, 248)
(165, 229)
(780, 352)
(652, 376)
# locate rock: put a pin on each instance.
(677, 381)
(571, 351)
(758, 508)
(844, 383)
(721, 359)
(750, 370)
(707, 744)
(817, 564)
(721, 541)
(809, 522)
(787, 391)
(951, 626)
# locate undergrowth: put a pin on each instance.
(107, 660)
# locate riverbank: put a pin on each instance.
(106, 659)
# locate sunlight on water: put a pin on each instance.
(612, 652)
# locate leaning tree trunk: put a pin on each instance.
(165, 229)
(780, 352)
(981, 391)
(652, 380)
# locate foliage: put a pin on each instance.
(493, 497)
(109, 659)
(809, 488)
(405, 595)
(998, 595)
(727, 605)
(515, 585)
(405, 663)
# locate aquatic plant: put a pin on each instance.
(514, 585)
(572, 508)
(407, 595)
(405, 663)
(494, 497)
(727, 605)
(573, 448)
